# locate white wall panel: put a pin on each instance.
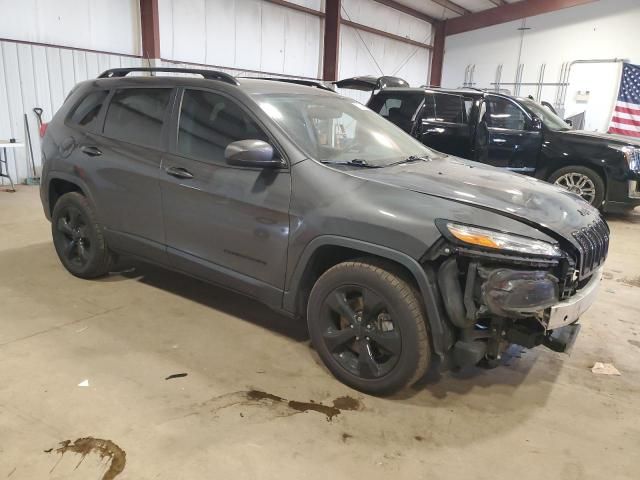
(364, 53)
(92, 24)
(603, 29)
(41, 76)
(243, 34)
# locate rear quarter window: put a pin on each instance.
(398, 107)
(85, 114)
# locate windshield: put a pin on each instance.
(549, 119)
(335, 129)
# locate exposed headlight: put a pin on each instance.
(487, 238)
(632, 155)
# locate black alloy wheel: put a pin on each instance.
(366, 321)
(358, 330)
(78, 237)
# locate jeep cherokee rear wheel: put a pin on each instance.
(78, 238)
(368, 326)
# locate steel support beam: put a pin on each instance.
(454, 7)
(437, 54)
(507, 13)
(295, 6)
(331, 40)
(382, 33)
(150, 25)
(408, 10)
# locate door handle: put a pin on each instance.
(91, 150)
(178, 172)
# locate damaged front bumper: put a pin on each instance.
(493, 306)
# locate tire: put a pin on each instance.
(567, 176)
(368, 326)
(78, 238)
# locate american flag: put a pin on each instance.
(626, 114)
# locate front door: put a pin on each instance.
(226, 224)
(506, 136)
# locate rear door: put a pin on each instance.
(447, 123)
(125, 162)
(506, 136)
(227, 224)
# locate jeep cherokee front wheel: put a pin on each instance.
(368, 326)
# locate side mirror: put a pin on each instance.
(251, 153)
(536, 124)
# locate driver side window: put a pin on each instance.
(502, 113)
(209, 122)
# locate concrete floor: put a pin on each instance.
(543, 415)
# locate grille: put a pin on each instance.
(594, 245)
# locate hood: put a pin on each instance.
(598, 137)
(531, 201)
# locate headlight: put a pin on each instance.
(632, 155)
(484, 237)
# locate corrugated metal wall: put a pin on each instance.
(34, 75)
(41, 76)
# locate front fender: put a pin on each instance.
(423, 275)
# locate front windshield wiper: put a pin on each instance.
(356, 162)
(409, 159)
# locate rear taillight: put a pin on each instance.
(43, 129)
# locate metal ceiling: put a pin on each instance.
(445, 9)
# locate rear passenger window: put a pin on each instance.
(86, 113)
(135, 115)
(447, 108)
(398, 107)
(209, 122)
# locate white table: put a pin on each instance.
(4, 165)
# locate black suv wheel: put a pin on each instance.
(78, 238)
(581, 180)
(368, 326)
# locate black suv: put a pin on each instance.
(517, 134)
(320, 208)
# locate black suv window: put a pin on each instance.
(135, 115)
(502, 113)
(447, 108)
(397, 107)
(209, 122)
(86, 113)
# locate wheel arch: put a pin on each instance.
(326, 251)
(59, 184)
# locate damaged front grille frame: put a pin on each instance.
(593, 248)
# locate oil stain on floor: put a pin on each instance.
(284, 406)
(339, 404)
(105, 449)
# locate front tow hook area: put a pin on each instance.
(562, 339)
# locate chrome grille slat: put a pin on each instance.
(594, 246)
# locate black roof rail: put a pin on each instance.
(297, 81)
(208, 74)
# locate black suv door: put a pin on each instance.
(123, 161)
(227, 224)
(506, 135)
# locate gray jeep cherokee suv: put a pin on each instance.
(320, 208)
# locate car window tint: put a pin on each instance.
(209, 122)
(502, 113)
(86, 113)
(135, 115)
(447, 108)
(398, 107)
